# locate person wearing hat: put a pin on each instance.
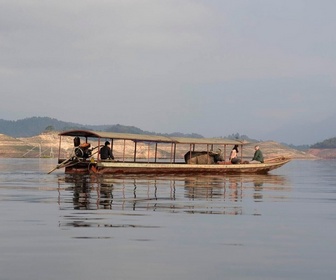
(105, 152)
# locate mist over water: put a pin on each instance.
(275, 226)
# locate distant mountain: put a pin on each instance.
(299, 136)
(33, 126)
(36, 125)
(326, 144)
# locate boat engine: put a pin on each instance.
(83, 150)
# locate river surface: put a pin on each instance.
(276, 226)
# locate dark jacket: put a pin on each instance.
(258, 156)
(105, 153)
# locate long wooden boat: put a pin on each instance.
(84, 158)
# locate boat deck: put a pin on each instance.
(119, 167)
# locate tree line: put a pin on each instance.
(36, 125)
(326, 144)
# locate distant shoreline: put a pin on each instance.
(46, 145)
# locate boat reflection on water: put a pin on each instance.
(232, 194)
(87, 192)
(187, 194)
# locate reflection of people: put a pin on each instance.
(258, 156)
(105, 151)
(234, 155)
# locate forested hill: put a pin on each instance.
(326, 144)
(33, 126)
(36, 125)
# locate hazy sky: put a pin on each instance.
(212, 67)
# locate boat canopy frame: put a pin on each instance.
(150, 139)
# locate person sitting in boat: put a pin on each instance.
(105, 152)
(234, 155)
(258, 156)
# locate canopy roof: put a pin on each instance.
(150, 138)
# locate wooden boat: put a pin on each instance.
(84, 157)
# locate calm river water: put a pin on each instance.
(276, 226)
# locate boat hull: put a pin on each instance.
(115, 167)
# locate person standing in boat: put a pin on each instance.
(234, 155)
(105, 152)
(258, 156)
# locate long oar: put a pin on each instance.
(58, 166)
